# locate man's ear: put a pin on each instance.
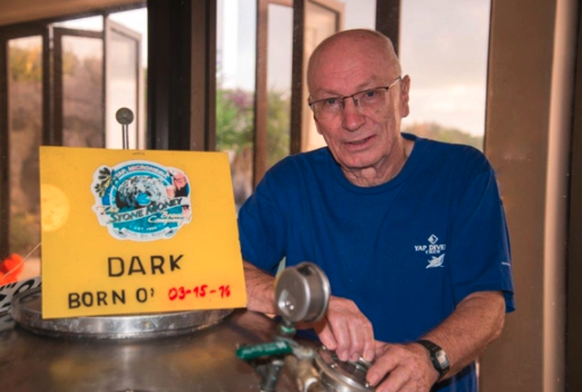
(404, 96)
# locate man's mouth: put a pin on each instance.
(361, 142)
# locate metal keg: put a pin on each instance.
(187, 351)
(182, 351)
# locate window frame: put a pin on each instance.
(50, 137)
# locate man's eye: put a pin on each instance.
(331, 102)
(370, 94)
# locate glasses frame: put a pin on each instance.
(343, 98)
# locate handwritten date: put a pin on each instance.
(180, 293)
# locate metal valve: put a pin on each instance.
(302, 294)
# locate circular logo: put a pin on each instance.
(141, 200)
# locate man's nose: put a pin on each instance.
(352, 118)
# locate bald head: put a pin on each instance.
(353, 48)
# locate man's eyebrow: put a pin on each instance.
(369, 84)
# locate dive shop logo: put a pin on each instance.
(141, 200)
(433, 248)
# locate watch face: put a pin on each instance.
(442, 359)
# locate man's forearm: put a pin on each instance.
(477, 321)
(260, 289)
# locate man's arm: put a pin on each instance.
(260, 289)
(476, 322)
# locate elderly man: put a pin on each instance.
(410, 232)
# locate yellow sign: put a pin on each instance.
(126, 231)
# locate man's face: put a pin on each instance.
(359, 139)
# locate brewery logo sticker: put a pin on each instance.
(141, 200)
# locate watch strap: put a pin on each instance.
(438, 356)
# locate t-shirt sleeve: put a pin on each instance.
(261, 226)
(480, 251)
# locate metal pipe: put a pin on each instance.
(124, 116)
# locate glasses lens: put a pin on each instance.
(370, 98)
(328, 107)
(364, 100)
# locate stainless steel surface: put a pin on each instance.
(302, 293)
(342, 376)
(199, 361)
(26, 311)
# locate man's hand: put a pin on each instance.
(477, 321)
(408, 368)
(346, 330)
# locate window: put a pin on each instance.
(25, 108)
(235, 90)
(447, 63)
(65, 96)
(324, 18)
(254, 81)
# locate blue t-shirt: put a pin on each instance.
(406, 252)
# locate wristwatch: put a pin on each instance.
(438, 356)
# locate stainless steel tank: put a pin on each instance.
(211, 350)
(143, 353)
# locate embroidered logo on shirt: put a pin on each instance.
(432, 248)
(436, 261)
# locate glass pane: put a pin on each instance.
(235, 56)
(136, 22)
(447, 63)
(322, 19)
(359, 14)
(280, 49)
(320, 23)
(82, 92)
(24, 138)
(122, 87)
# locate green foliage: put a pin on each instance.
(25, 64)
(94, 70)
(234, 119)
(278, 126)
(235, 122)
(71, 63)
(435, 131)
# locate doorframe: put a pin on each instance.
(7, 34)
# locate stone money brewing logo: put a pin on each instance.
(141, 200)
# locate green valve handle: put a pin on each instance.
(263, 350)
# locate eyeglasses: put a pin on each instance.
(364, 100)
